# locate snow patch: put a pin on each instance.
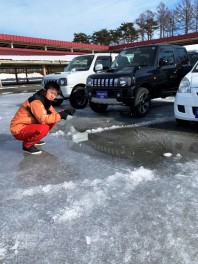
(69, 185)
(145, 123)
(47, 188)
(58, 134)
(15, 247)
(2, 252)
(88, 240)
(4, 76)
(101, 191)
(29, 192)
(167, 154)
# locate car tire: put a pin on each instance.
(78, 98)
(141, 102)
(57, 102)
(98, 108)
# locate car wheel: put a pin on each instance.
(57, 102)
(78, 98)
(141, 102)
(98, 108)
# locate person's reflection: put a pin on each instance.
(35, 170)
(39, 169)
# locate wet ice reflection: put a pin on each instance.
(145, 146)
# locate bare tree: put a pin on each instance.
(146, 24)
(195, 15)
(171, 26)
(140, 22)
(163, 19)
(184, 16)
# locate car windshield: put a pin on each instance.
(139, 56)
(81, 63)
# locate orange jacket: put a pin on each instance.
(33, 112)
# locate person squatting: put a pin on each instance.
(36, 117)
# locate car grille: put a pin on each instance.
(104, 82)
(50, 80)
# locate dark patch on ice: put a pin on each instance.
(146, 146)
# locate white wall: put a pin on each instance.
(191, 47)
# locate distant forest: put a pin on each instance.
(163, 23)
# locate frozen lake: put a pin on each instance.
(129, 194)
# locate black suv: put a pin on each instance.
(136, 76)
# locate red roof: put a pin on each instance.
(186, 39)
(20, 45)
(50, 43)
(22, 51)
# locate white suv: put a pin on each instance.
(73, 80)
(186, 99)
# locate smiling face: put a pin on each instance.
(51, 94)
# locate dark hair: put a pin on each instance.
(52, 85)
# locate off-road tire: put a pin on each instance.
(141, 102)
(78, 98)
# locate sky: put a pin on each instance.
(60, 19)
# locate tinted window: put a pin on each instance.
(138, 56)
(166, 57)
(106, 61)
(182, 55)
(81, 63)
(193, 57)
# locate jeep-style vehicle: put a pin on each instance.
(138, 75)
(73, 80)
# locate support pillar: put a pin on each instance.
(44, 70)
(26, 75)
(16, 75)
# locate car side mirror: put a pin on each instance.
(162, 62)
(98, 67)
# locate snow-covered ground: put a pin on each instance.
(33, 76)
(80, 203)
(11, 78)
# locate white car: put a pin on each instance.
(186, 99)
(73, 80)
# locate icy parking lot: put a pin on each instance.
(128, 194)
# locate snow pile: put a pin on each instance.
(58, 134)
(101, 192)
(4, 76)
(38, 58)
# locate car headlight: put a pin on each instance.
(124, 81)
(184, 86)
(89, 82)
(62, 81)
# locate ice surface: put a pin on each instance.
(80, 204)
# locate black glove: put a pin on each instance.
(65, 113)
(70, 111)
